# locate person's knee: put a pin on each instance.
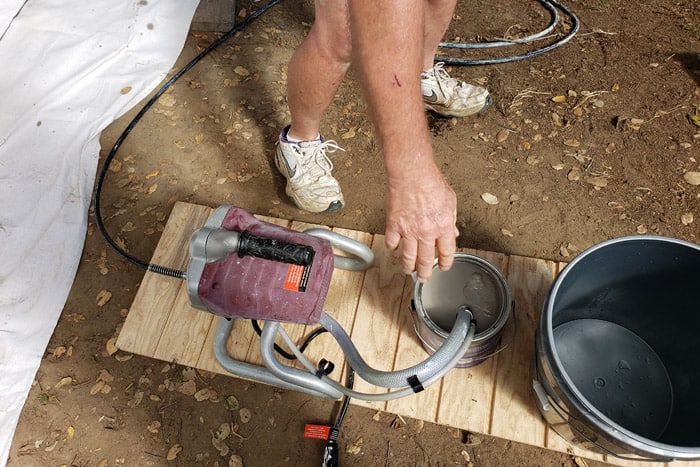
(331, 31)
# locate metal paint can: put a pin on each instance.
(474, 282)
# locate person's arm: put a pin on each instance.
(420, 205)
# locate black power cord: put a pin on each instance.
(302, 347)
(108, 160)
(331, 454)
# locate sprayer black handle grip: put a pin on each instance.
(275, 250)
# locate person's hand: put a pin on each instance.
(420, 219)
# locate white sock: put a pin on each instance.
(294, 140)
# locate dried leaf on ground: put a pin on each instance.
(245, 415)
(231, 403)
(167, 100)
(105, 375)
(111, 346)
(153, 427)
(97, 388)
(355, 448)
(597, 182)
(220, 446)
(188, 388)
(559, 99)
(489, 198)
(51, 447)
(692, 177)
(174, 450)
(235, 461)
(202, 395)
(574, 174)
(467, 458)
(59, 351)
(63, 382)
(136, 400)
(103, 297)
(564, 251)
(223, 432)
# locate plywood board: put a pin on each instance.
(492, 398)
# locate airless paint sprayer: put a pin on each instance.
(241, 267)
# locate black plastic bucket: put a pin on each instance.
(617, 366)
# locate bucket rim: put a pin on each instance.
(503, 314)
(568, 387)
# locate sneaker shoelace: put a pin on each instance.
(318, 165)
(443, 78)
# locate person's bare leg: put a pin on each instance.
(438, 15)
(317, 68)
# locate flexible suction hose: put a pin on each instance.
(278, 369)
(456, 344)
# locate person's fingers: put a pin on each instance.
(409, 251)
(425, 260)
(392, 239)
(446, 247)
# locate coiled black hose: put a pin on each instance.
(550, 5)
(108, 160)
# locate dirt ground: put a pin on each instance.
(593, 140)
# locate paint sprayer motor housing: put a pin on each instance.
(242, 267)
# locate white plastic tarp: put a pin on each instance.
(63, 68)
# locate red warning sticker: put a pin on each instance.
(293, 279)
(297, 278)
(316, 431)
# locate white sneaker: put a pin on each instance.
(307, 169)
(450, 97)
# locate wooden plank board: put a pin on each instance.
(409, 352)
(493, 398)
(513, 409)
(157, 294)
(184, 333)
(377, 315)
